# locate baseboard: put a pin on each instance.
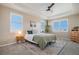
(7, 44)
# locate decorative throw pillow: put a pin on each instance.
(30, 32)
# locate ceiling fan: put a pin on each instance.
(49, 7)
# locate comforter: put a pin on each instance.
(42, 40)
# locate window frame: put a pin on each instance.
(16, 14)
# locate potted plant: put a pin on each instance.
(47, 27)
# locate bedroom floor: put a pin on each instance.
(71, 48)
(61, 47)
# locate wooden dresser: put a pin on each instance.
(74, 34)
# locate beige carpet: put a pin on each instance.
(31, 49)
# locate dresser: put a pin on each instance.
(74, 34)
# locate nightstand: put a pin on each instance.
(20, 39)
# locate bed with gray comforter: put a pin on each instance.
(43, 39)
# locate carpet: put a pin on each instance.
(32, 49)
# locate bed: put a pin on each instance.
(41, 39)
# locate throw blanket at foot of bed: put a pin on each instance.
(42, 40)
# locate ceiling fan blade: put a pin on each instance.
(50, 7)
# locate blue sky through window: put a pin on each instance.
(60, 25)
(63, 25)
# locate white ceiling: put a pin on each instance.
(39, 9)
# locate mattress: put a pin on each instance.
(29, 37)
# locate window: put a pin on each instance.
(60, 25)
(16, 22)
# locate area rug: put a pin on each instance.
(32, 49)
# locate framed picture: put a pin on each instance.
(32, 24)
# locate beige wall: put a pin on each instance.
(5, 35)
(73, 20)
